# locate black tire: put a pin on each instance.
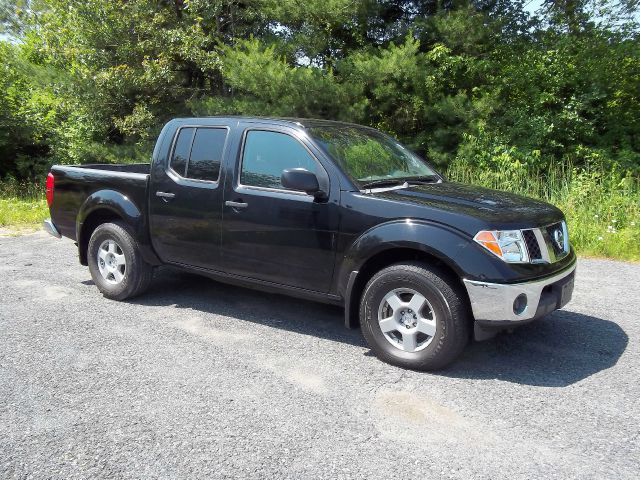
(138, 273)
(448, 303)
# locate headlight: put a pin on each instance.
(507, 244)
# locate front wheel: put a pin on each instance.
(414, 316)
(115, 262)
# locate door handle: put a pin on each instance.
(165, 195)
(229, 203)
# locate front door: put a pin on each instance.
(185, 201)
(271, 233)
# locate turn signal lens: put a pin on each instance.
(489, 241)
(508, 245)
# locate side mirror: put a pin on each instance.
(301, 179)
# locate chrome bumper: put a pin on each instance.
(493, 303)
(50, 228)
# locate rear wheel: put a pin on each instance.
(115, 262)
(414, 316)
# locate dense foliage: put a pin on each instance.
(483, 83)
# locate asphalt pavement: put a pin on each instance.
(197, 379)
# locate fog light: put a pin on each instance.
(520, 304)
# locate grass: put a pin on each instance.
(22, 205)
(602, 208)
(16, 212)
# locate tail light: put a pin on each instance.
(50, 185)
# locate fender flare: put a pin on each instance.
(453, 248)
(120, 205)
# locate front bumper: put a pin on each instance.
(493, 303)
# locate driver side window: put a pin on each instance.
(267, 154)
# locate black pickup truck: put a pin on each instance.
(328, 211)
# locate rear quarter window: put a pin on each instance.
(181, 151)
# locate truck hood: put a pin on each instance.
(482, 207)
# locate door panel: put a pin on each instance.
(280, 236)
(185, 201)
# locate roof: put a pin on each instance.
(299, 122)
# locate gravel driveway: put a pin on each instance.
(200, 379)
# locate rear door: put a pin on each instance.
(186, 197)
(271, 233)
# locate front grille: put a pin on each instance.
(546, 244)
(556, 233)
(532, 245)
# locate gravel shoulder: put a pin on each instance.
(199, 379)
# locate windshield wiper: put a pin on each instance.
(398, 181)
(422, 180)
(386, 182)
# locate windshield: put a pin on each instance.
(368, 155)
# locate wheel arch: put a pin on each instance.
(93, 220)
(385, 259)
(106, 206)
(396, 242)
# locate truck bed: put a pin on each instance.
(76, 185)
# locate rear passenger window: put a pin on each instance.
(206, 154)
(198, 155)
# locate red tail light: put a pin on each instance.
(50, 185)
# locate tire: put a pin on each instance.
(427, 337)
(115, 243)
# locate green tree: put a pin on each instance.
(94, 80)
